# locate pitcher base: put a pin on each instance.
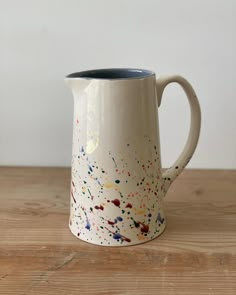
(122, 241)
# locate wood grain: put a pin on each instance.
(38, 255)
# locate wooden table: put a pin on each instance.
(38, 255)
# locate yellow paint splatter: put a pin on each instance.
(140, 211)
(110, 185)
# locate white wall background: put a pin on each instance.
(41, 41)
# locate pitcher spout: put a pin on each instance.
(76, 85)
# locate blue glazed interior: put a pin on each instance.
(112, 74)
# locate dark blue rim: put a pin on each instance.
(113, 74)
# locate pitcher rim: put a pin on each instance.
(112, 74)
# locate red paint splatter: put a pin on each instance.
(116, 202)
(70, 222)
(126, 239)
(144, 227)
(111, 222)
(128, 205)
(73, 196)
(77, 121)
(99, 207)
(78, 234)
(128, 173)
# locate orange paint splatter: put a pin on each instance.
(141, 237)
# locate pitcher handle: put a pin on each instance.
(171, 173)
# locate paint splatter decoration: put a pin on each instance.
(117, 203)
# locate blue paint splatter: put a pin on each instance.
(159, 218)
(117, 236)
(98, 181)
(88, 226)
(90, 168)
(82, 149)
(114, 162)
(119, 218)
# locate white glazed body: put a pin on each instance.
(117, 185)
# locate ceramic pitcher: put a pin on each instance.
(117, 182)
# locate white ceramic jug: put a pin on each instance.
(117, 183)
